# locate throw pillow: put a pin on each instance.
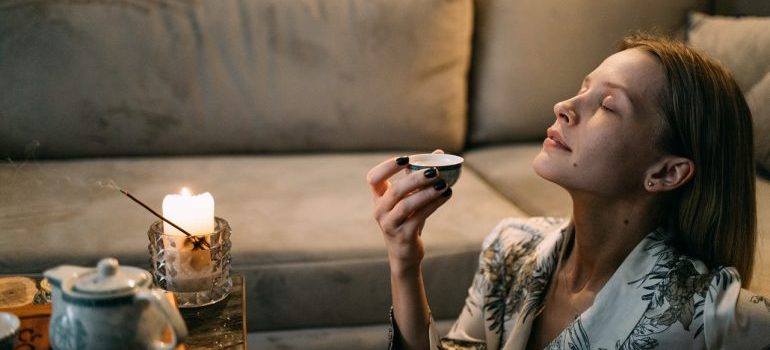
(742, 44)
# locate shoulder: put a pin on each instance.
(684, 296)
(515, 241)
(515, 263)
(735, 317)
(679, 281)
(513, 231)
(726, 315)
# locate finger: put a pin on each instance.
(438, 151)
(405, 207)
(417, 219)
(426, 211)
(377, 177)
(407, 187)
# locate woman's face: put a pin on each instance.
(603, 139)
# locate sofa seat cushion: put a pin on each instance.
(372, 337)
(303, 233)
(509, 170)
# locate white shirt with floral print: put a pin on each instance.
(657, 299)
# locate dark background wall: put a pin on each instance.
(742, 7)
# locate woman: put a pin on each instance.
(656, 152)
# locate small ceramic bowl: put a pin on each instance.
(448, 165)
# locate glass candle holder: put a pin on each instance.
(195, 268)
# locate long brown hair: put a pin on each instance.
(707, 120)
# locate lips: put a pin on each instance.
(557, 139)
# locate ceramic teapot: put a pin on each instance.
(110, 307)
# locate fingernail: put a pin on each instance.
(440, 185)
(402, 160)
(432, 172)
(447, 193)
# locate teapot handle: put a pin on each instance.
(157, 298)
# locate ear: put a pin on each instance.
(668, 174)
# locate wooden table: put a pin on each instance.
(218, 326)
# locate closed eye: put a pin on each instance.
(604, 105)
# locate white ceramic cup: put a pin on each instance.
(9, 329)
(448, 165)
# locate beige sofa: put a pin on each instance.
(278, 108)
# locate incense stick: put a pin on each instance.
(196, 239)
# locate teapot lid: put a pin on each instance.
(111, 279)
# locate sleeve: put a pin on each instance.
(467, 333)
(735, 318)
(394, 334)
(469, 330)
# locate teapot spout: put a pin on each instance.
(61, 273)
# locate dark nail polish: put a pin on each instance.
(401, 161)
(432, 172)
(440, 185)
(447, 193)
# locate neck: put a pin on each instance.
(605, 232)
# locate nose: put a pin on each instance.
(565, 112)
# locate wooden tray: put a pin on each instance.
(17, 296)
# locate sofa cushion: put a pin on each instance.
(743, 46)
(373, 337)
(299, 222)
(759, 103)
(529, 55)
(97, 78)
(509, 170)
(761, 277)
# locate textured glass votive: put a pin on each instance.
(195, 268)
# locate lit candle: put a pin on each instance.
(190, 266)
(195, 214)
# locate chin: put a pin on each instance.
(544, 167)
(553, 169)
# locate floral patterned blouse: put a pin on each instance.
(657, 299)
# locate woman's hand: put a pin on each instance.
(402, 207)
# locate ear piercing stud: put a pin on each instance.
(650, 184)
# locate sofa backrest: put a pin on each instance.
(141, 77)
(529, 55)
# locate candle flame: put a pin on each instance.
(185, 192)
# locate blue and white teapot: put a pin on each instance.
(110, 307)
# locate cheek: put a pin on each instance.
(602, 149)
(608, 163)
(608, 141)
(606, 160)
(621, 161)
